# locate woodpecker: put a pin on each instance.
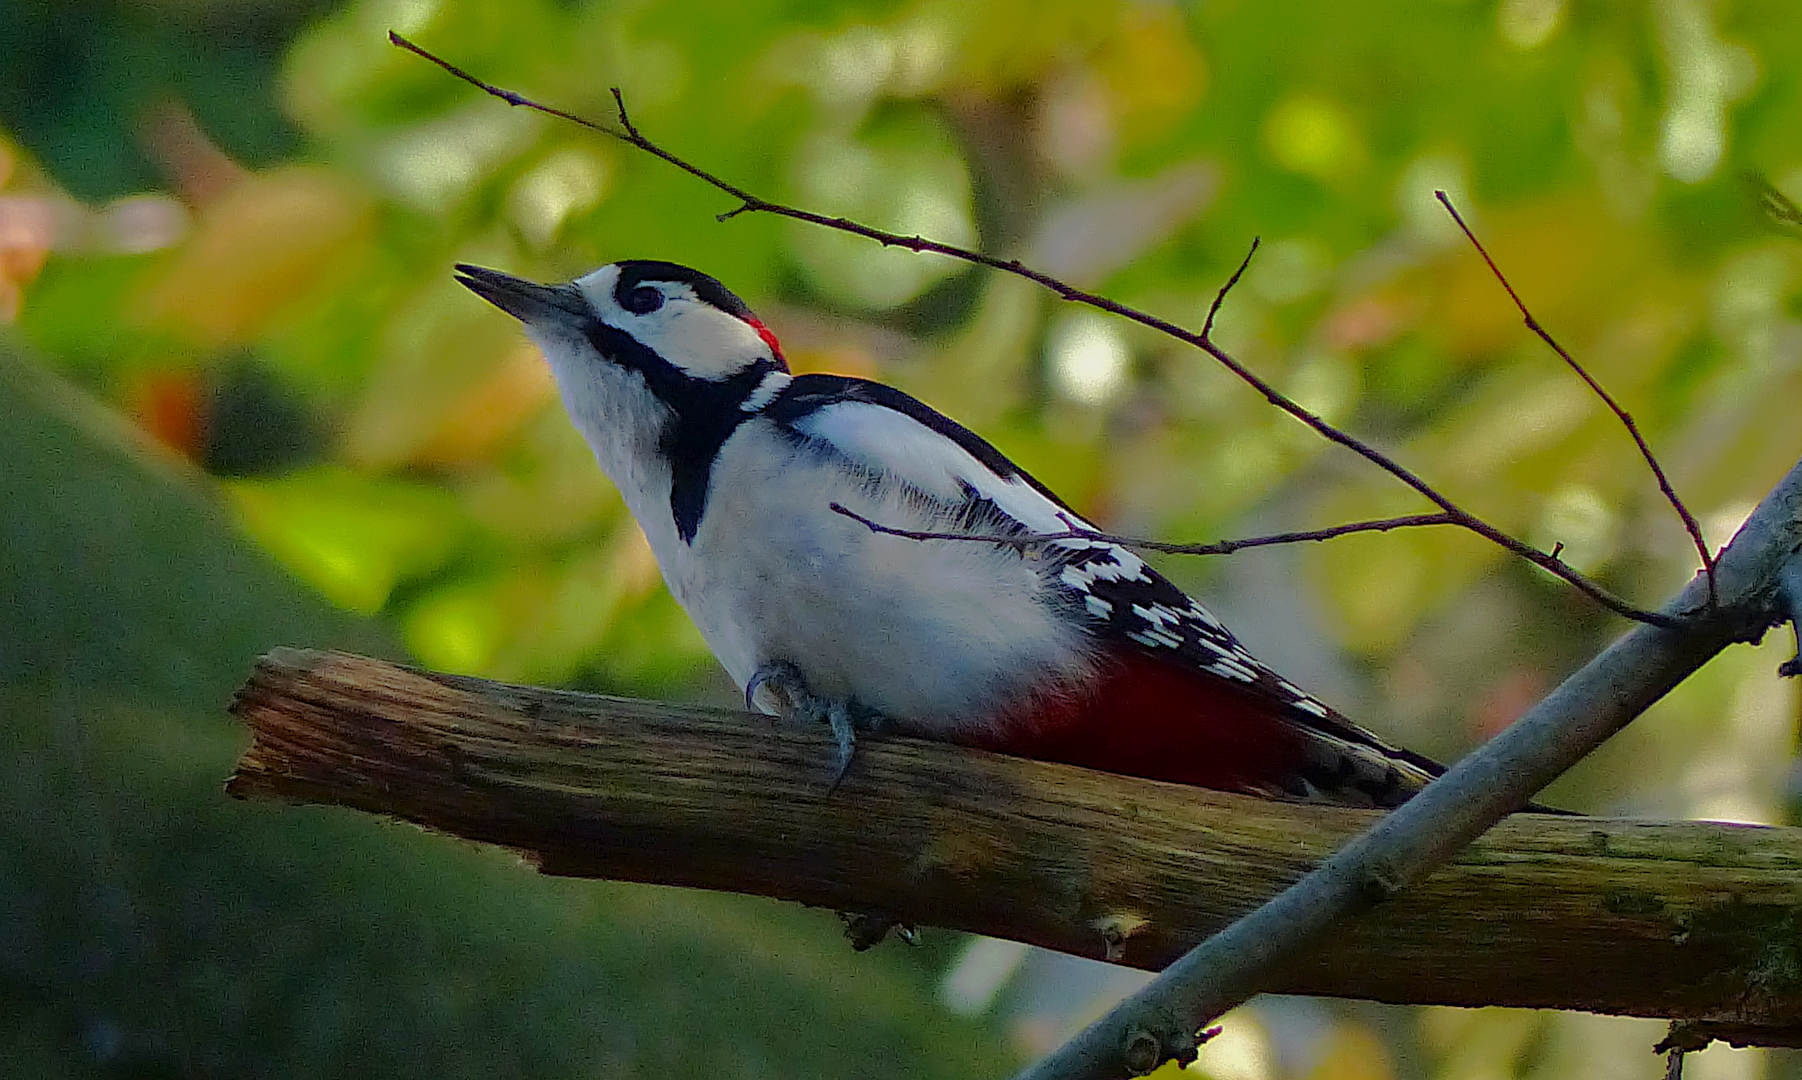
(1071, 650)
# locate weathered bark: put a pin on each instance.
(1689, 920)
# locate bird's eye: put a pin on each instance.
(643, 300)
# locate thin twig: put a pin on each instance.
(1207, 327)
(1219, 547)
(504, 94)
(1664, 484)
(748, 202)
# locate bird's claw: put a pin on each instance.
(784, 692)
(777, 688)
(839, 716)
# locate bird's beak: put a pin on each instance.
(527, 301)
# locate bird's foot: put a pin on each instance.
(869, 928)
(777, 688)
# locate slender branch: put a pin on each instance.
(1161, 1021)
(508, 96)
(1671, 919)
(1219, 547)
(1690, 524)
(749, 202)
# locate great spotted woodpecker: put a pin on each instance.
(1072, 651)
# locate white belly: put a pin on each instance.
(935, 635)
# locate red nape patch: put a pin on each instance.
(768, 336)
(1149, 718)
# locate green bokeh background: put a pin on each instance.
(243, 404)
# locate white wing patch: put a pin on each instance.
(882, 439)
(892, 442)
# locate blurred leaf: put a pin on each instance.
(900, 171)
(264, 246)
(73, 313)
(1310, 134)
(443, 394)
(353, 537)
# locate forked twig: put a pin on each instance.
(1664, 484)
(748, 202)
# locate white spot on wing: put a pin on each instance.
(1123, 566)
(1158, 615)
(1205, 617)
(1227, 668)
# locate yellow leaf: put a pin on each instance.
(254, 252)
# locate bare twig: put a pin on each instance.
(1219, 547)
(504, 94)
(1207, 327)
(1453, 810)
(1645, 450)
(749, 202)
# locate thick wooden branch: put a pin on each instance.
(1689, 920)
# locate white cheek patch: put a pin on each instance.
(699, 338)
(690, 333)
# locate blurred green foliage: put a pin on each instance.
(234, 223)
